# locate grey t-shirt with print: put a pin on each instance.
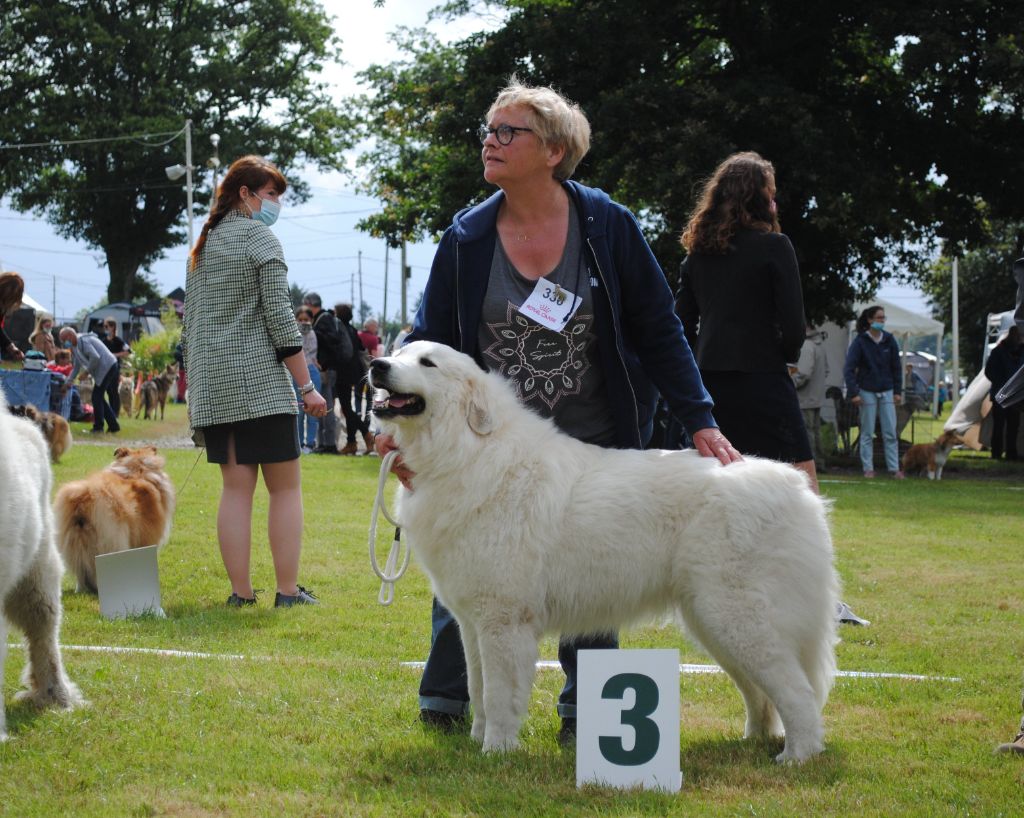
(559, 374)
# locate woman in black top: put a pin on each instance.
(1003, 362)
(743, 313)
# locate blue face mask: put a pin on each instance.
(67, 345)
(878, 325)
(268, 212)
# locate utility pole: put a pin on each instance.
(214, 163)
(955, 393)
(188, 181)
(384, 317)
(403, 268)
(359, 269)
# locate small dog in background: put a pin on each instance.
(931, 457)
(53, 426)
(155, 391)
(126, 392)
(129, 504)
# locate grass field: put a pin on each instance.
(309, 711)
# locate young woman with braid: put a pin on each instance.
(237, 297)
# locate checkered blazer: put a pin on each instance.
(237, 316)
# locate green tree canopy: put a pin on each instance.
(890, 126)
(77, 70)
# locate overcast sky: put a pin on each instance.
(319, 238)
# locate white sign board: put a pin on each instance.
(128, 583)
(627, 725)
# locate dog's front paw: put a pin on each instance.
(500, 743)
(798, 755)
(63, 695)
(479, 730)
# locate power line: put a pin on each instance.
(330, 213)
(56, 252)
(129, 138)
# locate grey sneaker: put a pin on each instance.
(846, 616)
(303, 597)
(236, 601)
(1015, 746)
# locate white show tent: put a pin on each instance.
(903, 324)
(29, 301)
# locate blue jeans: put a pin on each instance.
(444, 688)
(307, 423)
(880, 405)
(325, 435)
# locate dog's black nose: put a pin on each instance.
(379, 365)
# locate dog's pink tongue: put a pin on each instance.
(397, 403)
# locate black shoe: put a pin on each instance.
(303, 597)
(567, 733)
(236, 601)
(444, 722)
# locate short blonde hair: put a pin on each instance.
(554, 119)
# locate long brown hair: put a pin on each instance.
(12, 288)
(251, 171)
(734, 197)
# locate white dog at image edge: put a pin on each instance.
(523, 530)
(30, 567)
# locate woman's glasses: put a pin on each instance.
(503, 133)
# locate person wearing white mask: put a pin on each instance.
(237, 299)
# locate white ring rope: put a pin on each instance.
(391, 573)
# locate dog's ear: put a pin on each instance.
(478, 410)
(121, 452)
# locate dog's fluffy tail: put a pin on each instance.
(74, 510)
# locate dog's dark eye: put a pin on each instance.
(426, 362)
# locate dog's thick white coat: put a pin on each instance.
(30, 567)
(523, 530)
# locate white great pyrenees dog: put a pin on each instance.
(523, 530)
(30, 567)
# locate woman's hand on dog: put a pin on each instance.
(383, 444)
(712, 443)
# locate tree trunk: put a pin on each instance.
(123, 270)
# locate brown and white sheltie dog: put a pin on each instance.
(53, 426)
(931, 457)
(129, 504)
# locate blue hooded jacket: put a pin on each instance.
(640, 339)
(871, 366)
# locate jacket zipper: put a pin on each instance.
(458, 300)
(618, 335)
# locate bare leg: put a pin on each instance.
(284, 521)
(234, 521)
(807, 467)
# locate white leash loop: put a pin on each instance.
(391, 573)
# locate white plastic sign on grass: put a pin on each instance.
(627, 708)
(128, 583)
